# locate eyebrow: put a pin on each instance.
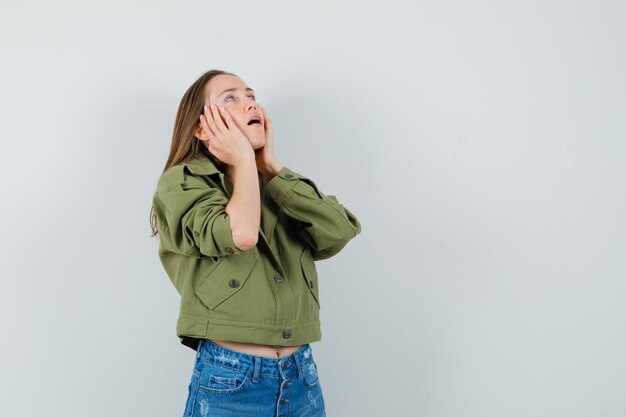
(233, 89)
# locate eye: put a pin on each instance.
(252, 96)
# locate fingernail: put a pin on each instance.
(222, 108)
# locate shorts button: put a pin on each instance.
(287, 334)
(233, 283)
(229, 250)
(311, 284)
(288, 175)
(278, 278)
(285, 365)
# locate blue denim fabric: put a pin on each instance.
(227, 383)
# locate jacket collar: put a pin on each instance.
(202, 165)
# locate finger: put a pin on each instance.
(267, 119)
(210, 118)
(268, 122)
(208, 133)
(218, 119)
(264, 119)
(228, 118)
(205, 126)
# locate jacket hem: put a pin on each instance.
(191, 329)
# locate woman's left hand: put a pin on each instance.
(265, 159)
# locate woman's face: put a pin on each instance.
(233, 94)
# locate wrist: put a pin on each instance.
(239, 165)
(244, 160)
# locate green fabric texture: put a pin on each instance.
(268, 294)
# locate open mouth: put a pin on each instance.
(254, 121)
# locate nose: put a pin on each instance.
(251, 105)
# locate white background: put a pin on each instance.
(481, 145)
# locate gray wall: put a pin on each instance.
(482, 146)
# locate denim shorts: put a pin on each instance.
(228, 383)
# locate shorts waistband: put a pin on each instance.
(283, 367)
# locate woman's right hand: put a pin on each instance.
(225, 140)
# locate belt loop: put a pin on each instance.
(257, 369)
(298, 365)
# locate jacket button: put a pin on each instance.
(229, 250)
(288, 175)
(287, 334)
(233, 283)
(311, 284)
(278, 278)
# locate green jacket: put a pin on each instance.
(268, 294)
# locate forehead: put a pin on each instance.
(221, 82)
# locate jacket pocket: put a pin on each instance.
(309, 272)
(227, 278)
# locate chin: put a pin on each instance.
(258, 142)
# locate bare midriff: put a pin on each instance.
(270, 351)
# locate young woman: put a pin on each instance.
(239, 235)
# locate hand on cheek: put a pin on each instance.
(266, 160)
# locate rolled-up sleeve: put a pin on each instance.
(327, 224)
(192, 219)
